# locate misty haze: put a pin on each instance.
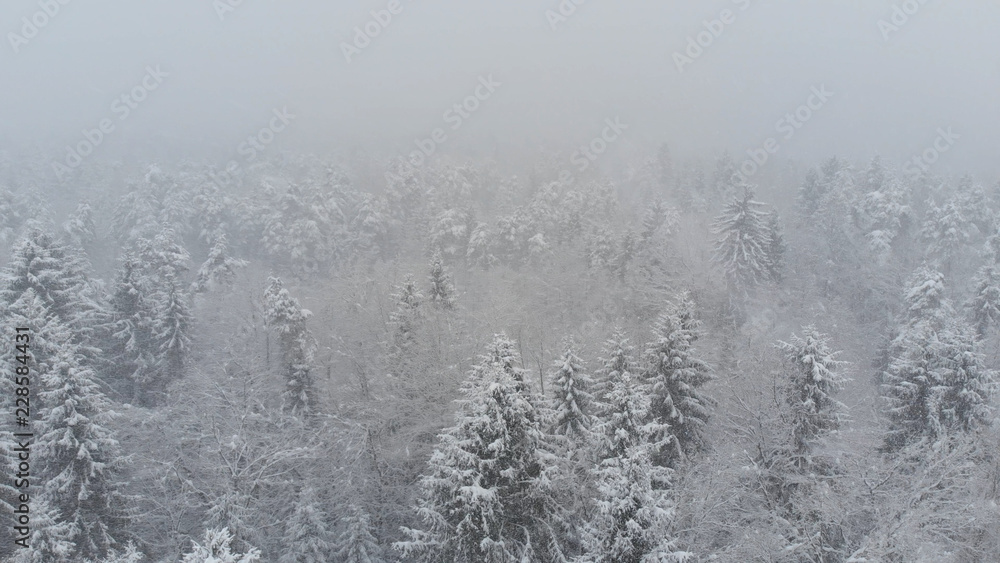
(547, 281)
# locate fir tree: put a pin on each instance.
(674, 376)
(407, 314)
(133, 345)
(59, 277)
(79, 227)
(285, 316)
(814, 378)
(216, 549)
(172, 338)
(306, 532)
(488, 491)
(633, 510)
(742, 247)
(81, 456)
(442, 290)
(985, 302)
(776, 247)
(811, 193)
(937, 384)
(52, 538)
(617, 358)
(219, 269)
(572, 401)
(357, 544)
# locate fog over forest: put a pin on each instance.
(554, 281)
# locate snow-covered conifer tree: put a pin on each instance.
(357, 544)
(442, 291)
(936, 384)
(985, 302)
(744, 240)
(633, 509)
(572, 403)
(488, 492)
(284, 315)
(219, 268)
(674, 375)
(306, 534)
(215, 548)
(815, 377)
(79, 227)
(81, 457)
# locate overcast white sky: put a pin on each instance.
(610, 58)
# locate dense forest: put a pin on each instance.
(362, 360)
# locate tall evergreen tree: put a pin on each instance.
(442, 289)
(306, 533)
(171, 333)
(937, 384)
(815, 377)
(219, 268)
(985, 302)
(81, 457)
(59, 277)
(674, 375)
(776, 247)
(633, 510)
(572, 401)
(744, 240)
(132, 326)
(285, 316)
(488, 491)
(357, 544)
(407, 314)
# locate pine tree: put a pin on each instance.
(633, 510)
(81, 457)
(130, 555)
(742, 247)
(488, 490)
(407, 314)
(133, 347)
(284, 315)
(674, 376)
(79, 227)
(171, 333)
(59, 276)
(306, 532)
(357, 544)
(811, 193)
(616, 359)
(946, 232)
(219, 268)
(814, 378)
(937, 384)
(216, 549)
(442, 290)
(985, 302)
(52, 538)
(572, 401)
(776, 247)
